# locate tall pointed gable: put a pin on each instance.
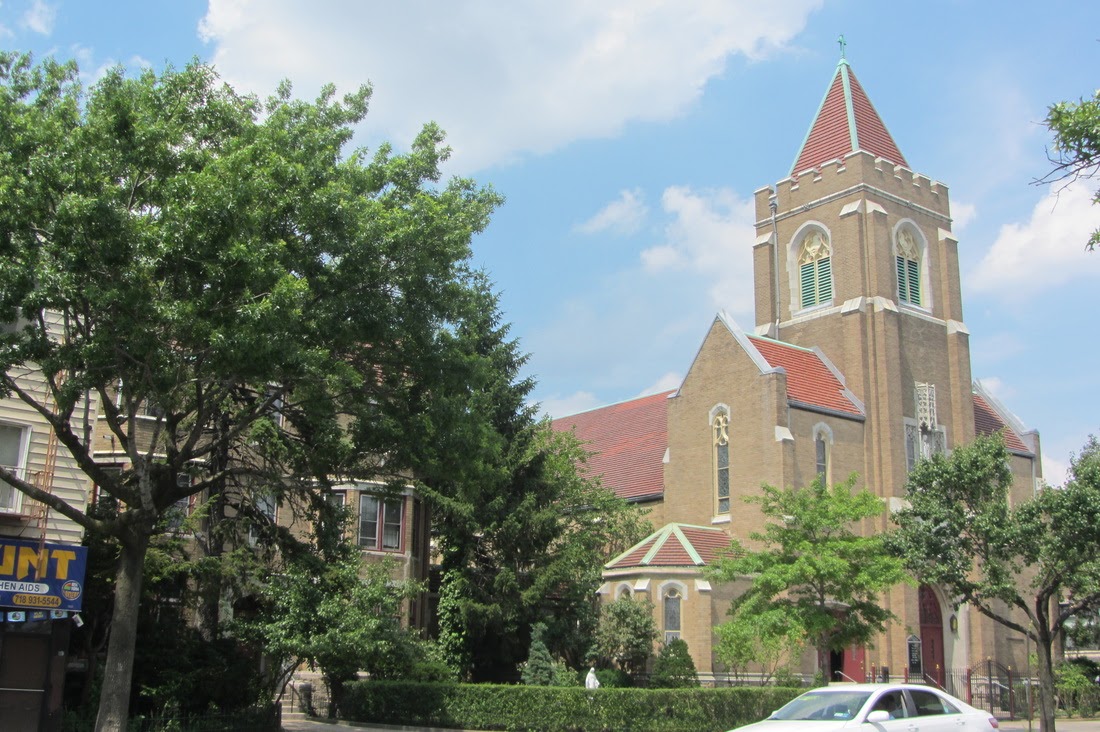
(845, 123)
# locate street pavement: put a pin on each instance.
(1015, 725)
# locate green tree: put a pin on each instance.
(673, 668)
(1012, 561)
(626, 634)
(815, 568)
(539, 669)
(339, 616)
(1075, 151)
(765, 640)
(524, 535)
(171, 248)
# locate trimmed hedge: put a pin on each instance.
(557, 709)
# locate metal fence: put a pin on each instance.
(989, 685)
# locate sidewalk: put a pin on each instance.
(1063, 725)
(1014, 725)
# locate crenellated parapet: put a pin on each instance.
(857, 173)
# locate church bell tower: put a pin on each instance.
(854, 255)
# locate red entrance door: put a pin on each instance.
(854, 664)
(931, 636)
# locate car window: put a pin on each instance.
(891, 702)
(928, 703)
(823, 704)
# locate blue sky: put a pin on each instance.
(629, 135)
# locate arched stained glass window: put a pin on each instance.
(815, 274)
(722, 461)
(823, 448)
(672, 601)
(822, 451)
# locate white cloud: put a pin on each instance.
(623, 216)
(504, 79)
(711, 234)
(39, 17)
(580, 401)
(670, 380)
(961, 215)
(997, 387)
(1055, 472)
(1044, 252)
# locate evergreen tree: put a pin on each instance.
(523, 535)
(674, 668)
(539, 669)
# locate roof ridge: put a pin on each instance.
(614, 404)
(782, 343)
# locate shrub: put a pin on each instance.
(674, 668)
(613, 678)
(626, 634)
(786, 677)
(1076, 687)
(551, 709)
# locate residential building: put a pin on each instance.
(42, 562)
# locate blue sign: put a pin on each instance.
(41, 576)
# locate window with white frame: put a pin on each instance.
(13, 455)
(908, 256)
(815, 271)
(720, 425)
(380, 522)
(671, 602)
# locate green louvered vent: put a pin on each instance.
(817, 282)
(824, 280)
(908, 281)
(809, 292)
(914, 281)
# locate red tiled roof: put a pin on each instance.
(809, 380)
(988, 421)
(675, 545)
(627, 441)
(845, 122)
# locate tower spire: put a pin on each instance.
(846, 122)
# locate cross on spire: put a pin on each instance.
(843, 44)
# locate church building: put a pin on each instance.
(858, 362)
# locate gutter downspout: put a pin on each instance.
(773, 204)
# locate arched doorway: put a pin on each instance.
(931, 636)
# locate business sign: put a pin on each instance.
(50, 579)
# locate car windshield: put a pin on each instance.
(823, 705)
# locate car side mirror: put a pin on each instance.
(879, 715)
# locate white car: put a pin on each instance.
(876, 707)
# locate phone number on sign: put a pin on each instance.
(36, 600)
